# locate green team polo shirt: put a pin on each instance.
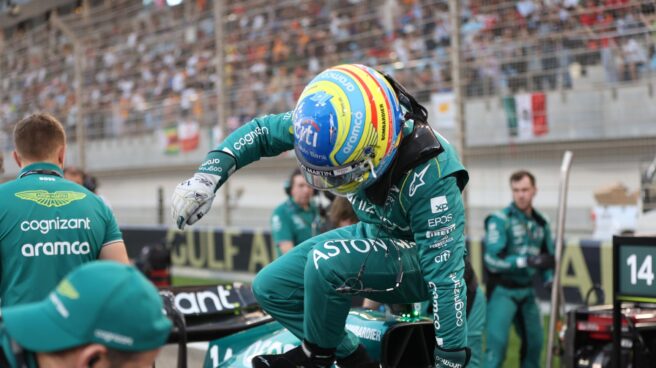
(290, 222)
(48, 226)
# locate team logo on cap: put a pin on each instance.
(48, 199)
(67, 289)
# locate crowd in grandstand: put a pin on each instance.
(147, 67)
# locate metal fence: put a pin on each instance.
(146, 66)
(112, 69)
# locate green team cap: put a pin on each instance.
(101, 302)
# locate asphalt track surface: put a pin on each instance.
(168, 357)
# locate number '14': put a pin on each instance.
(644, 273)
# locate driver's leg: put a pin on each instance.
(279, 288)
(335, 262)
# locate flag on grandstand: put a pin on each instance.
(169, 139)
(188, 135)
(526, 115)
(443, 106)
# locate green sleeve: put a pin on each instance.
(434, 207)
(496, 239)
(437, 219)
(281, 227)
(112, 232)
(265, 136)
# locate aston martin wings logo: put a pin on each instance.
(47, 199)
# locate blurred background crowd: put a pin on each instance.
(147, 65)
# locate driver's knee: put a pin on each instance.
(262, 287)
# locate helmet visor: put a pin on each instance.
(332, 177)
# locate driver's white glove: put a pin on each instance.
(192, 198)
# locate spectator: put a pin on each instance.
(49, 225)
(80, 324)
(635, 57)
(134, 72)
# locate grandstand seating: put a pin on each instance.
(146, 67)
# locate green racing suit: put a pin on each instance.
(409, 248)
(511, 237)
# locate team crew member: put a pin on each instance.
(518, 243)
(297, 219)
(341, 213)
(357, 133)
(48, 225)
(103, 314)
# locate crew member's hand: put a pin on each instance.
(542, 261)
(192, 199)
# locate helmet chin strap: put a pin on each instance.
(371, 168)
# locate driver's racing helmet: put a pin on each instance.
(347, 125)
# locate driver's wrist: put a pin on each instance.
(219, 164)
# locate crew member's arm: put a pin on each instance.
(115, 252)
(285, 246)
(495, 244)
(437, 218)
(265, 136)
(113, 246)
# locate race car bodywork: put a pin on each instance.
(228, 316)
